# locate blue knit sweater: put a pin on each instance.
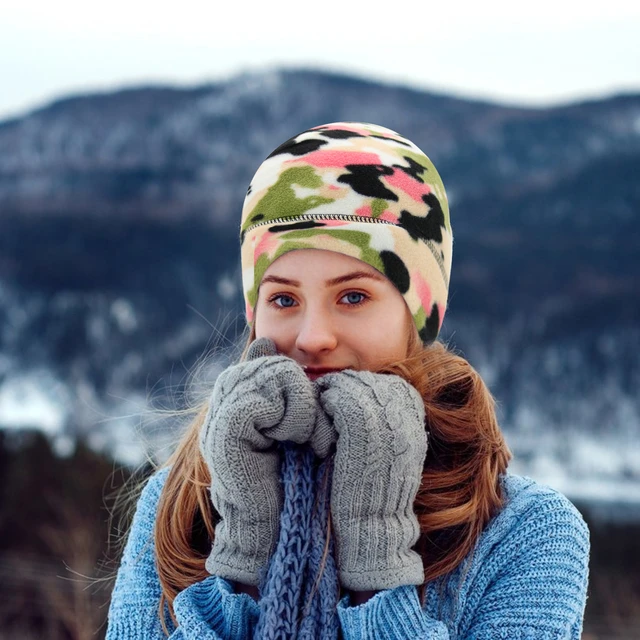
(527, 578)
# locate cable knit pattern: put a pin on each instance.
(527, 579)
(254, 404)
(381, 448)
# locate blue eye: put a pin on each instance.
(282, 300)
(354, 297)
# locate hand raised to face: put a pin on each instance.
(382, 444)
(255, 404)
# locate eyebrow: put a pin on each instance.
(347, 277)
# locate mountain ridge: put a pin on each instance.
(119, 242)
(139, 151)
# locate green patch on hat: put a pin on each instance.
(281, 201)
(420, 318)
(360, 239)
(261, 265)
(288, 245)
(378, 207)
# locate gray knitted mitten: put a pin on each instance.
(255, 404)
(382, 444)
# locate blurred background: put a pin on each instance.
(128, 135)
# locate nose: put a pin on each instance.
(316, 333)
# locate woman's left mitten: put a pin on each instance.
(382, 444)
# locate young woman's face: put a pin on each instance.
(329, 311)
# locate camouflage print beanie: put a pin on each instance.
(361, 190)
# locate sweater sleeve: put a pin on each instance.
(394, 614)
(526, 580)
(534, 579)
(206, 610)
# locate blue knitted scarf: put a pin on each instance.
(300, 592)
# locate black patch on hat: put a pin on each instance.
(249, 190)
(396, 270)
(340, 134)
(257, 217)
(424, 228)
(415, 169)
(243, 233)
(429, 332)
(381, 137)
(306, 224)
(298, 148)
(365, 180)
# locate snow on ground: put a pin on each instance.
(601, 470)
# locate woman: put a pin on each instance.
(348, 476)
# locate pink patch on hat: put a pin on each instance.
(423, 290)
(248, 311)
(388, 216)
(341, 126)
(267, 244)
(334, 223)
(364, 211)
(412, 187)
(338, 158)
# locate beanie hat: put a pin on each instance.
(361, 190)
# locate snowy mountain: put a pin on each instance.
(118, 258)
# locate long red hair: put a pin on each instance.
(459, 493)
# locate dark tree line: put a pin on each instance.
(58, 540)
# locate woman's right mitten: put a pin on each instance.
(255, 404)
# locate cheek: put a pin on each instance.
(398, 345)
(392, 334)
(265, 328)
(267, 324)
(382, 342)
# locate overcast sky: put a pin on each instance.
(541, 52)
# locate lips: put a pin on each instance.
(313, 373)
